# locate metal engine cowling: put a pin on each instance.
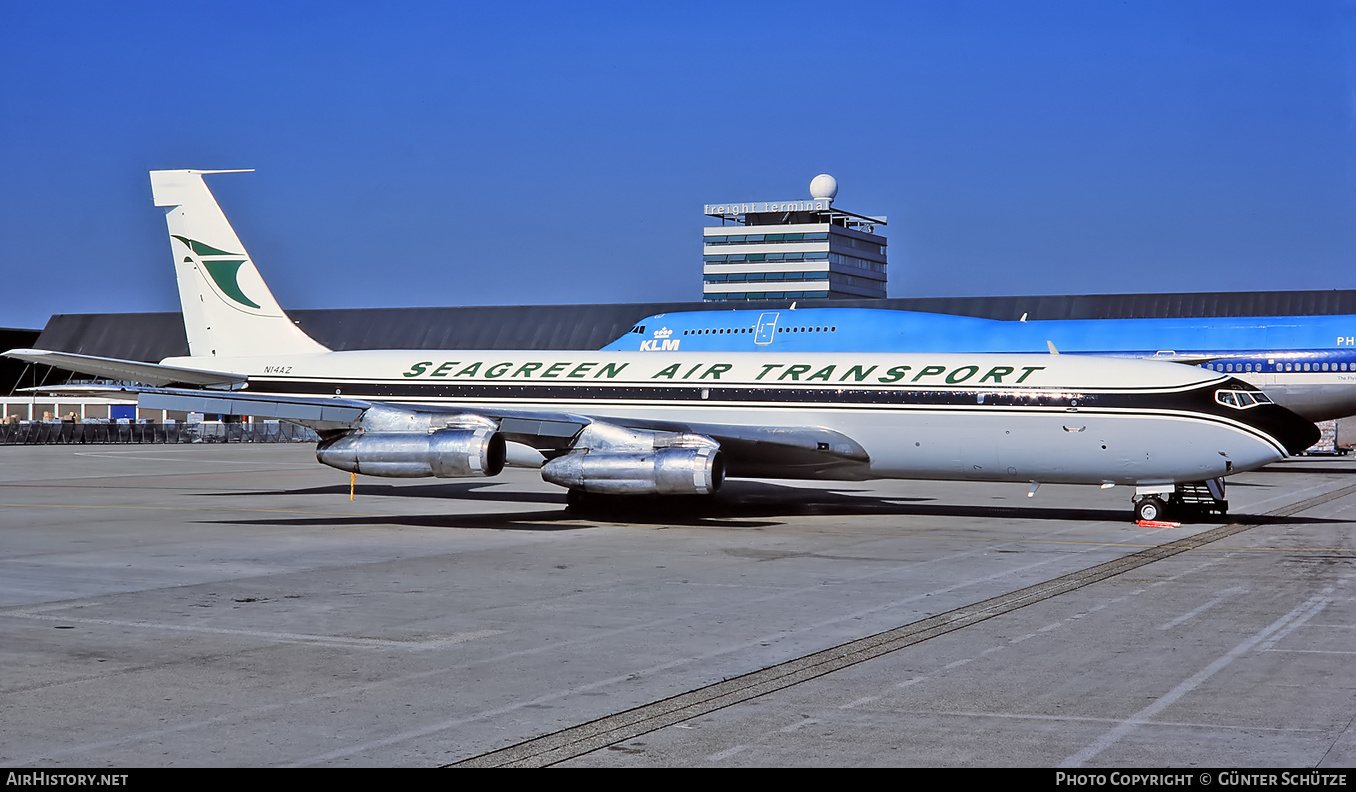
(446, 453)
(662, 471)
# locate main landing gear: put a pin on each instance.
(595, 504)
(1194, 499)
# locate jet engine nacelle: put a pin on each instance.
(446, 453)
(662, 471)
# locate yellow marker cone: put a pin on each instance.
(352, 477)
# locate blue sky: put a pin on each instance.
(476, 154)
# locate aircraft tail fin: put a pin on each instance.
(228, 309)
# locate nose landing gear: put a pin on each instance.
(1193, 499)
(1149, 508)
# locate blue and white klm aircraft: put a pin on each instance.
(633, 423)
(1305, 363)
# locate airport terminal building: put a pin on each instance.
(792, 250)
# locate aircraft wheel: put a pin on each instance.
(583, 502)
(1150, 508)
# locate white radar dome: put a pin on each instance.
(823, 187)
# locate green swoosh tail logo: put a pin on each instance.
(224, 273)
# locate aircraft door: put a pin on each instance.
(767, 328)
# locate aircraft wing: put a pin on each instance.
(538, 429)
(750, 451)
(771, 451)
(128, 370)
(317, 413)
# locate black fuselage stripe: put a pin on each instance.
(424, 385)
(1195, 398)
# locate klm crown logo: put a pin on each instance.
(661, 342)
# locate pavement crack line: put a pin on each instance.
(557, 747)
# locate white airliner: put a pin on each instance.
(617, 423)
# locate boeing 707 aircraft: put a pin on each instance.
(632, 423)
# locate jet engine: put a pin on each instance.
(664, 471)
(447, 453)
(406, 444)
(611, 460)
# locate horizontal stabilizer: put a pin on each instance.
(80, 391)
(128, 370)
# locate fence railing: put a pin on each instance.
(52, 433)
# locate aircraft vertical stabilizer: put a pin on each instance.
(228, 309)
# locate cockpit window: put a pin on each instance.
(1240, 399)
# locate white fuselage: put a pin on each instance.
(1042, 418)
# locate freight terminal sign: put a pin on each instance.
(757, 207)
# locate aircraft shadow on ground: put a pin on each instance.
(740, 504)
(1301, 468)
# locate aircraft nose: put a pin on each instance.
(1293, 432)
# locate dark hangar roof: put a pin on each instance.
(152, 336)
